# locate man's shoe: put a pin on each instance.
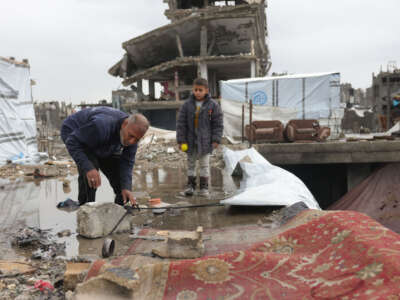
(191, 186)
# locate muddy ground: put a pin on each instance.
(29, 201)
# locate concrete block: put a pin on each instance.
(74, 274)
(97, 220)
(182, 244)
(115, 281)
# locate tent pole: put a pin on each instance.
(242, 123)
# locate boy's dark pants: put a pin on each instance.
(110, 167)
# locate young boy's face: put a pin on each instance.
(199, 92)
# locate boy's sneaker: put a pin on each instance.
(204, 187)
(191, 186)
(189, 191)
(204, 193)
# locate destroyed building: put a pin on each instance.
(214, 39)
(384, 87)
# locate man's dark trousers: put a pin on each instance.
(110, 167)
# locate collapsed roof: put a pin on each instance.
(232, 32)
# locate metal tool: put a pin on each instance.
(109, 244)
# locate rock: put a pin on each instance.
(141, 197)
(287, 213)
(65, 232)
(97, 220)
(31, 280)
(2, 285)
(24, 297)
(88, 258)
(75, 273)
(69, 295)
(12, 286)
(66, 183)
(182, 244)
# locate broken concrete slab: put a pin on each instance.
(74, 274)
(96, 220)
(182, 244)
(9, 268)
(116, 280)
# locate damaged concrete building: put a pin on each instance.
(214, 39)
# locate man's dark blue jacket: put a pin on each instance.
(97, 131)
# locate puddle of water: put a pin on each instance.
(34, 204)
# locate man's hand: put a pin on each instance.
(128, 196)
(93, 177)
(215, 145)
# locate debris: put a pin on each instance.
(46, 172)
(74, 274)
(59, 163)
(64, 233)
(157, 203)
(11, 269)
(43, 286)
(66, 183)
(170, 150)
(27, 236)
(182, 244)
(108, 248)
(68, 204)
(147, 237)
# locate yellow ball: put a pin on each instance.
(184, 147)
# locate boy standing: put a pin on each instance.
(200, 127)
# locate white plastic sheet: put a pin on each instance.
(264, 184)
(17, 117)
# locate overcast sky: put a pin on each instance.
(72, 43)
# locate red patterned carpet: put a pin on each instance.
(321, 255)
(341, 255)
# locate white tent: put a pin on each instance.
(308, 96)
(17, 116)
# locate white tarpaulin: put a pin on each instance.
(17, 116)
(312, 96)
(264, 184)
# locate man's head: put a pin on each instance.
(200, 88)
(133, 129)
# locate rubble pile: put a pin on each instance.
(43, 280)
(42, 241)
(30, 172)
(168, 155)
(41, 276)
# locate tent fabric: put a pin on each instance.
(378, 196)
(323, 255)
(17, 116)
(312, 96)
